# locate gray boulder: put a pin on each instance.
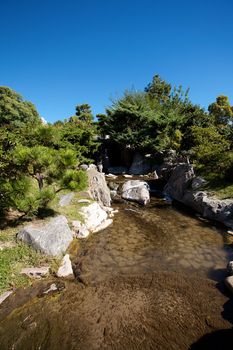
(137, 191)
(52, 238)
(98, 187)
(140, 165)
(179, 187)
(198, 182)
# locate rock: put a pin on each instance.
(111, 176)
(113, 193)
(154, 175)
(93, 167)
(140, 165)
(94, 215)
(80, 229)
(179, 181)
(52, 288)
(137, 191)
(83, 232)
(229, 283)
(198, 182)
(84, 201)
(108, 209)
(5, 295)
(113, 185)
(7, 245)
(98, 187)
(52, 238)
(65, 270)
(179, 187)
(127, 176)
(230, 232)
(103, 225)
(35, 272)
(83, 167)
(66, 199)
(118, 170)
(230, 268)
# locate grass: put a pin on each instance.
(19, 255)
(71, 211)
(13, 259)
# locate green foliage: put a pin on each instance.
(211, 149)
(38, 160)
(74, 180)
(15, 112)
(221, 110)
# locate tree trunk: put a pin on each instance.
(39, 177)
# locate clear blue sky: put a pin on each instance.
(58, 54)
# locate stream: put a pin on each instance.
(148, 281)
(155, 238)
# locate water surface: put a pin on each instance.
(155, 238)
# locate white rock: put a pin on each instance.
(230, 232)
(65, 269)
(127, 176)
(104, 225)
(111, 176)
(83, 232)
(137, 191)
(35, 272)
(52, 288)
(5, 295)
(94, 215)
(108, 209)
(76, 225)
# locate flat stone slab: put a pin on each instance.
(66, 199)
(7, 245)
(52, 238)
(5, 295)
(35, 272)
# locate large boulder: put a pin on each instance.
(181, 187)
(98, 187)
(137, 191)
(140, 165)
(180, 180)
(52, 238)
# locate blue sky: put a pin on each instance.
(58, 54)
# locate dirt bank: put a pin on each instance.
(163, 311)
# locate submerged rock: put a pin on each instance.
(137, 191)
(52, 238)
(103, 225)
(98, 187)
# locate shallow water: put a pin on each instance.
(155, 238)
